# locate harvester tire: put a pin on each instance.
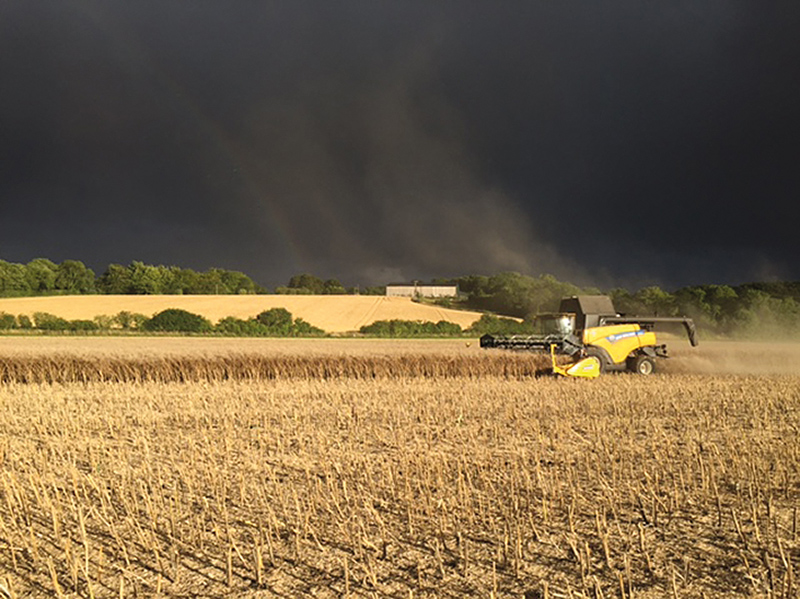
(642, 364)
(601, 357)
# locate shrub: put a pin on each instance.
(277, 320)
(83, 325)
(50, 322)
(104, 322)
(128, 320)
(241, 328)
(177, 320)
(496, 325)
(7, 321)
(411, 328)
(302, 328)
(24, 321)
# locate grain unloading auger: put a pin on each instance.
(588, 329)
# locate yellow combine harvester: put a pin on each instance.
(588, 329)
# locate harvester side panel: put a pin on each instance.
(650, 322)
(619, 341)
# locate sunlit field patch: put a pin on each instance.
(332, 313)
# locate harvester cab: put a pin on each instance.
(589, 330)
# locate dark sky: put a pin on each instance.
(606, 143)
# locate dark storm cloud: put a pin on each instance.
(615, 142)
(657, 139)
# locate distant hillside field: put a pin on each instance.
(332, 313)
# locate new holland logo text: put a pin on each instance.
(619, 336)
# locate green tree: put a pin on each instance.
(623, 300)
(374, 290)
(692, 302)
(655, 301)
(41, 275)
(104, 322)
(74, 277)
(50, 322)
(127, 320)
(83, 325)
(712, 306)
(333, 287)
(124, 320)
(315, 285)
(724, 300)
(514, 294)
(13, 280)
(146, 279)
(473, 285)
(116, 280)
(177, 320)
(411, 328)
(186, 281)
(7, 321)
(238, 283)
(241, 327)
(495, 325)
(211, 283)
(302, 328)
(277, 320)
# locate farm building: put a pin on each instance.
(420, 290)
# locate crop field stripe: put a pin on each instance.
(77, 369)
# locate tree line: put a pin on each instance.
(276, 322)
(751, 309)
(72, 277)
(308, 284)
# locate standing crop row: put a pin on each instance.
(253, 367)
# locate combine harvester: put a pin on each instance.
(589, 330)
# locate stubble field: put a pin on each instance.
(396, 469)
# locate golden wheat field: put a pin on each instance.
(332, 313)
(352, 468)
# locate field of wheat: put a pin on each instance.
(332, 313)
(399, 470)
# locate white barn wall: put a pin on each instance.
(421, 290)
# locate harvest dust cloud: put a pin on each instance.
(735, 358)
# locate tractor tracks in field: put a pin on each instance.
(370, 313)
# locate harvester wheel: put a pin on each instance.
(601, 357)
(642, 364)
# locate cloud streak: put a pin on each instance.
(387, 184)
